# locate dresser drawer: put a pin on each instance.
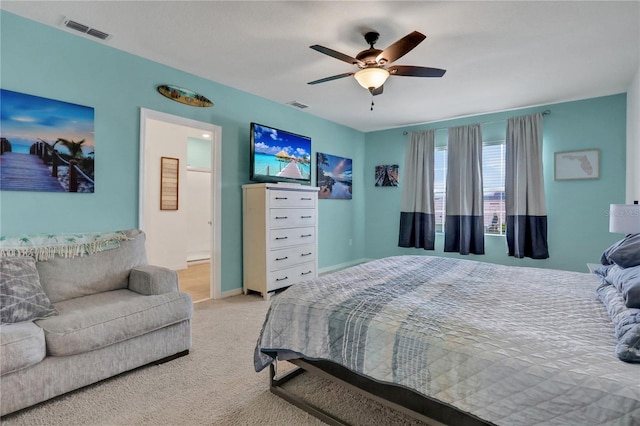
(283, 258)
(285, 237)
(285, 218)
(291, 199)
(289, 276)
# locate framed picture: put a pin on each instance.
(387, 175)
(169, 183)
(333, 177)
(571, 165)
(45, 144)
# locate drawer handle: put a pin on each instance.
(305, 217)
(282, 258)
(281, 198)
(305, 273)
(305, 254)
(306, 199)
(282, 279)
(281, 238)
(281, 217)
(305, 235)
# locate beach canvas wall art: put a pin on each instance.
(334, 177)
(387, 175)
(45, 144)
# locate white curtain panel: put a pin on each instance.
(464, 220)
(524, 188)
(417, 215)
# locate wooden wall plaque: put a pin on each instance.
(169, 183)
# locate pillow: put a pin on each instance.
(603, 270)
(21, 295)
(627, 282)
(624, 253)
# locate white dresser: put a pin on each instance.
(280, 242)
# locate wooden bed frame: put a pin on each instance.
(399, 398)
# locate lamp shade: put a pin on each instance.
(624, 218)
(371, 78)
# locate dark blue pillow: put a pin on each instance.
(625, 253)
(627, 282)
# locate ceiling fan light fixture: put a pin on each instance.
(371, 78)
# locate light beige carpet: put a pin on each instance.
(214, 385)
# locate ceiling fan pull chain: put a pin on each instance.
(371, 100)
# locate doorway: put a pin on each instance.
(165, 135)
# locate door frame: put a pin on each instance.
(215, 290)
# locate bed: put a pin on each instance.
(466, 342)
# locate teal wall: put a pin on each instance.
(52, 63)
(577, 210)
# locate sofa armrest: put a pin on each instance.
(150, 280)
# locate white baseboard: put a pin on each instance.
(178, 267)
(339, 266)
(199, 257)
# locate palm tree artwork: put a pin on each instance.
(38, 150)
(75, 148)
(334, 176)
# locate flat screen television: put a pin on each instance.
(279, 156)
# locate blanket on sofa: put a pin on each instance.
(46, 246)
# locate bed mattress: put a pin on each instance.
(510, 345)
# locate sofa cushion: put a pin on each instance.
(99, 320)
(65, 278)
(21, 345)
(21, 296)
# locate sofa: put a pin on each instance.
(77, 309)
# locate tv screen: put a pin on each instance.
(279, 156)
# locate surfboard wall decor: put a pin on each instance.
(184, 96)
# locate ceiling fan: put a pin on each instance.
(373, 74)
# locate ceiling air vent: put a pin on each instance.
(297, 104)
(74, 25)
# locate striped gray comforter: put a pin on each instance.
(511, 345)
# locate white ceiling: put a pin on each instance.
(498, 55)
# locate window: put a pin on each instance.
(439, 186)
(493, 169)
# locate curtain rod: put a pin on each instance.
(545, 112)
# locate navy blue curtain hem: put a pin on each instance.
(527, 236)
(417, 230)
(464, 234)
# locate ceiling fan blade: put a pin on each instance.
(411, 71)
(335, 54)
(333, 77)
(400, 48)
(377, 91)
